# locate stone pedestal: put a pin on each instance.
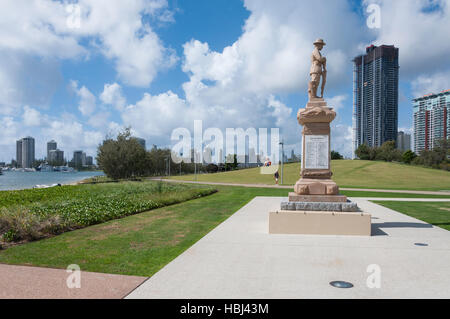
(316, 207)
(316, 170)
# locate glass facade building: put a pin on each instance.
(27, 152)
(375, 96)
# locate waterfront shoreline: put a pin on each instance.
(11, 181)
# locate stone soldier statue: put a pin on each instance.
(318, 70)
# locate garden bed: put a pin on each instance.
(32, 214)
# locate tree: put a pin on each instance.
(387, 152)
(442, 148)
(212, 168)
(408, 156)
(122, 157)
(231, 166)
(336, 156)
(363, 152)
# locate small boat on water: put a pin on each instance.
(46, 186)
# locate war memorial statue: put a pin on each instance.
(315, 206)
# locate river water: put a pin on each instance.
(23, 180)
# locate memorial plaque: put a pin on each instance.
(316, 152)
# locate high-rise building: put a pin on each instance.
(51, 146)
(431, 120)
(19, 153)
(375, 96)
(27, 152)
(403, 141)
(56, 157)
(77, 158)
(89, 160)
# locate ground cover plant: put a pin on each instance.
(31, 214)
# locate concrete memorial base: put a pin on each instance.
(319, 215)
(319, 223)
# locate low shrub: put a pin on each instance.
(18, 224)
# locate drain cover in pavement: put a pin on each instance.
(341, 284)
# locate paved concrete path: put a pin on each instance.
(23, 282)
(239, 259)
(444, 193)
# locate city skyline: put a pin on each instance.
(25, 154)
(193, 62)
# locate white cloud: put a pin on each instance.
(337, 102)
(156, 115)
(112, 95)
(432, 83)
(38, 28)
(407, 130)
(280, 111)
(124, 37)
(341, 139)
(87, 103)
(26, 80)
(31, 117)
(36, 35)
(9, 129)
(99, 120)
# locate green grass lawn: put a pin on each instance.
(435, 213)
(389, 195)
(347, 174)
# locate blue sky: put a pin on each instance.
(156, 65)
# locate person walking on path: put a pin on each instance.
(277, 176)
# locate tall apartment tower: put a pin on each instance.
(51, 146)
(431, 120)
(19, 153)
(375, 96)
(403, 141)
(27, 152)
(78, 158)
(56, 157)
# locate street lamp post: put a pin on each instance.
(167, 160)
